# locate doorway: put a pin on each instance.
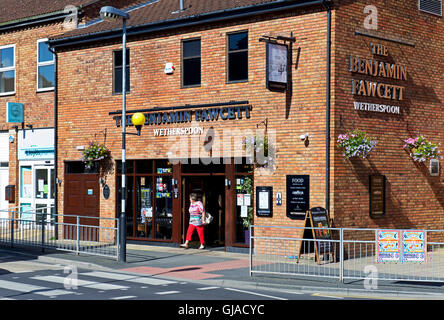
(212, 194)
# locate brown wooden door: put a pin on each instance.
(82, 199)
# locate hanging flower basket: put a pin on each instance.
(356, 144)
(420, 149)
(95, 152)
(259, 147)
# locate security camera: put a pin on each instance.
(303, 136)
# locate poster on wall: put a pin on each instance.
(388, 245)
(298, 196)
(413, 246)
(264, 205)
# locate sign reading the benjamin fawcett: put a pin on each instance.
(298, 196)
(376, 89)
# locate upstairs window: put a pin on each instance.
(45, 67)
(7, 70)
(238, 57)
(431, 6)
(191, 63)
(118, 71)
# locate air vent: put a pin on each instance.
(434, 167)
(431, 6)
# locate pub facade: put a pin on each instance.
(244, 103)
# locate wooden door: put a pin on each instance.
(82, 199)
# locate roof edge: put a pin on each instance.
(208, 17)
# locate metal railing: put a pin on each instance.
(87, 235)
(351, 253)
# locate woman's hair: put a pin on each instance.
(194, 196)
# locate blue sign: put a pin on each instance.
(16, 112)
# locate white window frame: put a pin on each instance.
(43, 64)
(6, 69)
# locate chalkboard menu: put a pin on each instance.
(319, 219)
(298, 196)
(377, 196)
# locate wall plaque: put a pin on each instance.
(377, 196)
(298, 196)
(264, 201)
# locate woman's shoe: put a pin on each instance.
(183, 245)
(201, 247)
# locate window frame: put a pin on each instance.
(227, 49)
(13, 68)
(43, 64)
(182, 85)
(128, 88)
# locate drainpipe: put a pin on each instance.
(328, 86)
(55, 182)
(181, 5)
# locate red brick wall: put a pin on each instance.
(85, 98)
(414, 199)
(39, 106)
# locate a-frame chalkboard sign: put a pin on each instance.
(318, 218)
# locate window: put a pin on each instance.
(191, 63)
(7, 70)
(45, 67)
(238, 57)
(117, 81)
(431, 6)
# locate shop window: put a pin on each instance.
(7, 70)
(26, 182)
(118, 70)
(144, 209)
(145, 166)
(45, 67)
(164, 167)
(191, 63)
(129, 165)
(163, 208)
(238, 57)
(244, 207)
(78, 167)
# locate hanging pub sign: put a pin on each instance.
(298, 196)
(277, 66)
(264, 201)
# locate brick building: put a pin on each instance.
(27, 85)
(298, 72)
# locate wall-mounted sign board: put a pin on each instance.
(298, 196)
(264, 201)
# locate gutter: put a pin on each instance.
(211, 17)
(33, 20)
(327, 109)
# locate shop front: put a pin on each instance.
(36, 173)
(158, 199)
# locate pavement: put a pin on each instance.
(215, 266)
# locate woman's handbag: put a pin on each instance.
(208, 218)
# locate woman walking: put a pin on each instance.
(197, 218)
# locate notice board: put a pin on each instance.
(298, 196)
